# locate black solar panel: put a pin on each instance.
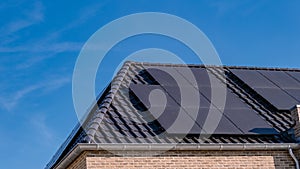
(167, 76)
(188, 91)
(142, 92)
(206, 91)
(174, 92)
(169, 115)
(183, 75)
(199, 75)
(272, 85)
(232, 100)
(295, 75)
(162, 76)
(224, 126)
(277, 97)
(253, 78)
(174, 121)
(204, 102)
(249, 122)
(295, 93)
(179, 80)
(281, 79)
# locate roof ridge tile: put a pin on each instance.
(225, 66)
(115, 85)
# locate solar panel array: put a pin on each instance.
(237, 118)
(281, 89)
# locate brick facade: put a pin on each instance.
(186, 159)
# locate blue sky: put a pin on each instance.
(40, 41)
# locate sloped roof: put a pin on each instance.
(122, 117)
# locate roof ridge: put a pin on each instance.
(224, 66)
(114, 87)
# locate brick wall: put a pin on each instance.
(186, 159)
(80, 162)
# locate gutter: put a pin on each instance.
(294, 157)
(79, 148)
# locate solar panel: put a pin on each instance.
(253, 78)
(199, 75)
(186, 125)
(295, 75)
(174, 121)
(224, 126)
(271, 85)
(249, 122)
(277, 97)
(174, 92)
(166, 115)
(206, 91)
(142, 92)
(189, 92)
(182, 76)
(232, 100)
(295, 93)
(205, 78)
(173, 80)
(167, 76)
(204, 102)
(161, 76)
(281, 79)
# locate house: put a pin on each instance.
(146, 119)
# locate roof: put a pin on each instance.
(122, 112)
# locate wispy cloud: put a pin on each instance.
(32, 61)
(245, 8)
(37, 14)
(31, 16)
(39, 123)
(11, 101)
(83, 16)
(56, 84)
(45, 47)
(223, 7)
(55, 47)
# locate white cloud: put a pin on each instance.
(244, 8)
(32, 61)
(55, 47)
(39, 123)
(83, 15)
(37, 14)
(32, 16)
(11, 101)
(48, 46)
